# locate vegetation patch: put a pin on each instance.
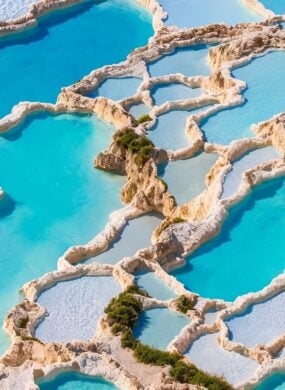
(144, 118)
(140, 146)
(122, 315)
(183, 303)
(163, 182)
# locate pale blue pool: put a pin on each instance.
(74, 381)
(206, 354)
(169, 131)
(277, 6)
(75, 307)
(247, 161)
(56, 195)
(249, 251)
(274, 382)
(260, 323)
(186, 178)
(154, 286)
(136, 235)
(65, 46)
(171, 92)
(117, 88)
(194, 13)
(263, 98)
(138, 110)
(190, 61)
(150, 329)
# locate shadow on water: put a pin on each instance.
(40, 31)
(264, 191)
(144, 322)
(7, 206)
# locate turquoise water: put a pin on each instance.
(171, 92)
(169, 131)
(186, 178)
(242, 164)
(150, 329)
(260, 323)
(54, 201)
(194, 13)
(154, 286)
(277, 6)
(263, 99)
(138, 110)
(136, 235)
(249, 251)
(117, 88)
(74, 381)
(206, 354)
(190, 61)
(65, 46)
(274, 382)
(75, 307)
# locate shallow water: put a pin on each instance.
(154, 286)
(136, 235)
(75, 307)
(149, 328)
(54, 197)
(169, 131)
(191, 61)
(277, 6)
(260, 324)
(171, 92)
(186, 178)
(117, 88)
(79, 40)
(206, 354)
(11, 9)
(138, 110)
(210, 316)
(264, 98)
(250, 247)
(274, 382)
(74, 381)
(191, 13)
(247, 161)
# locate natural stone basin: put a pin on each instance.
(193, 13)
(54, 201)
(149, 329)
(171, 92)
(210, 316)
(277, 6)
(263, 98)
(138, 110)
(206, 354)
(186, 178)
(117, 88)
(75, 48)
(274, 382)
(250, 243)
(154, 286)
(136, 235)
(74, 381)
(169, 130)
(14, 8)
(260, 323)
(190, 61)
(74, 308)
(247, 161)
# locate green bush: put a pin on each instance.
(184, 303)
(163, 182)
(22, 323)
(144, 118)
(148, 355)
(128, 340)
(177, 220)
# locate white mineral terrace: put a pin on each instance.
(180, 78)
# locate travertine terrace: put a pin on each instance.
(200, 219)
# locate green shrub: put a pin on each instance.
(144, 118)
(184, 303)
(148, 355)
(128, 340)
(177, 220)
(163, 182)
(22, 323)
